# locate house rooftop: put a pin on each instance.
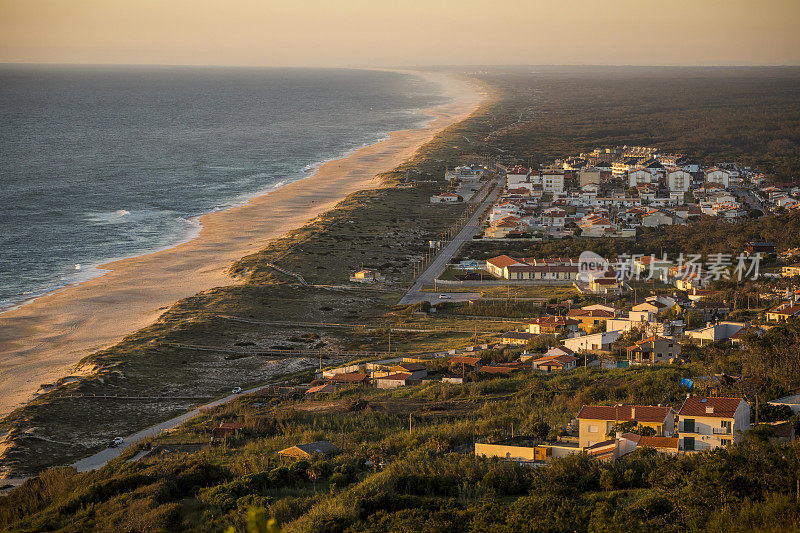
(711, 407)
(624, 413)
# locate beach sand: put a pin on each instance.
(42, 341)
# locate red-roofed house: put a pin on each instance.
(783, 311)
(554, 363)
(503, 370)
(590, 317)
(708, 423)
(595, 422)
(349, 378)
(497, 265)
(552, 325)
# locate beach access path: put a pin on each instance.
(440, 262)
(44, 340)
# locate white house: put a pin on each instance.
(639, 176)
(655, 218)
(716, 332)
(718, 176)
(553, 181)
(502, 210)
(678, 182)
(446, 198)
(554, 217)
(708, 423)
(596, 341)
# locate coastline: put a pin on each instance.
(44, 339)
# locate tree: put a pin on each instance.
(313, 474)
(598, 327)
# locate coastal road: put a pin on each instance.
(440, 262)
(98, 460)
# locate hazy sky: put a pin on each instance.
(401, 32)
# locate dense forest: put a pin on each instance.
(746, 115)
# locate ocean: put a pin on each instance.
(102, 163)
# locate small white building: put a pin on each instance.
(446, 198)
(554, 217)
(594, 342)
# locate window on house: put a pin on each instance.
(725, 442)
(592, 429)
(688, 443)
(726, 426)
(688, 425)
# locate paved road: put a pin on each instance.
(99, 459)
(438, 265)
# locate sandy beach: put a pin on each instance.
(43, 340)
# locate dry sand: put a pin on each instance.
(43, 340)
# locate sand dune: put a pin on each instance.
(43, 340)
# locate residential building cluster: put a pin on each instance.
(610, 432)
(614, 191)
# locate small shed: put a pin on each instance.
(226, 429)
(301, 451)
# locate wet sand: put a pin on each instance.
(43, 341)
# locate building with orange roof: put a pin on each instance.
(553, 325)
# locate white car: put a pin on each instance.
(236, 390)
(116, 442)
(444, 297)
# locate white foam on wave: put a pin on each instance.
(192, 225)
(120, 216)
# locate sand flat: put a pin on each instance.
(43, 340)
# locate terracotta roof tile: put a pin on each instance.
(624, 413)
(712, 407)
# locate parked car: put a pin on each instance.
(236, 390)
(116, 442)
(444, 296)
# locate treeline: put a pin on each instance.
(706, 236)
(746, 487)
(748, 115)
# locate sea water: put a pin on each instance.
(101, 163)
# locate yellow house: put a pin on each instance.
(783, 311)
(791, 270)
(590, 317)
(596, 422)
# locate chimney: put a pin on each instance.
(688, 394)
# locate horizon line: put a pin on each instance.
(426, 66)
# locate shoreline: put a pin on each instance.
(195, 221)
(44, 339)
